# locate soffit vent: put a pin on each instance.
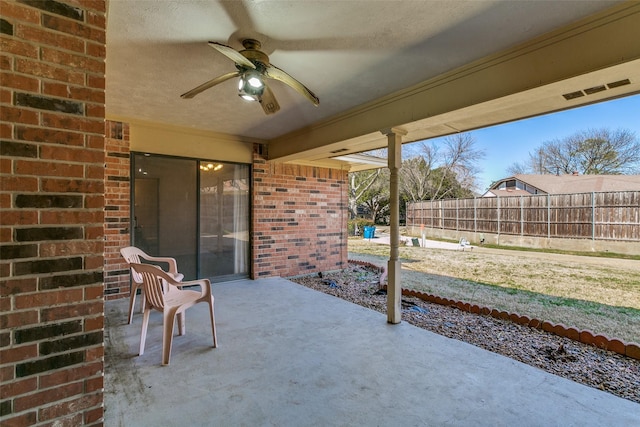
(619, 83)
(341, 150)
(595, 89)
(573, 95)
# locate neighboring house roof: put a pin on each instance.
(562, 184)
(506, 193)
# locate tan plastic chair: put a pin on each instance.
(165, 294)
(134, 255)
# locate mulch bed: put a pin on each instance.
(589, 365)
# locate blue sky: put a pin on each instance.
(509, 143)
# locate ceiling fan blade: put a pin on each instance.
(232, 54)
(276, 73)
(268, 101)
(204, 86)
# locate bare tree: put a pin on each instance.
(360, 184)
(590, 152)
(431, 174)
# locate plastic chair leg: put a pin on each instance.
(132, 302)
(213, 323)
(143, 334)
(169, 318)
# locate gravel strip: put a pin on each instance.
(604, 370)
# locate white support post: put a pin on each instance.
(394, 288)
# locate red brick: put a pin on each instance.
(70, 375)
(54, 136)
(7, 374)
(72, 27)
(72, 154)
(18, 47)
(71, 408)
(42, 168)
(93, 262)
(71, 310)
(93, 415)
(19, 387)
(47, 396)
(50, 38)
(49, 71)
(73, 60)
(26, 419)
(16, 286)
(19, 217)
(97, 50)
(94, 354)
(49, 298)
(16, 81)
(92, 202)
(94, 172)
(70, 217)
(12, 9)
(69, 248)
(94, 232)
(19, 115)
(18, 353)
(66, 121)
(95, 323)
(16, 319)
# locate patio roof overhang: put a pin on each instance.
(589, 62)
(556, 63)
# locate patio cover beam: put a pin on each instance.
(394, 288)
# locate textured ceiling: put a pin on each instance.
(347, 52)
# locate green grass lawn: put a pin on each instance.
(599, 294)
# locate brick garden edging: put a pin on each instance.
(629, 349)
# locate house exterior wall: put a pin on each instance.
(51, 207)
(299, 216)
(117, 209)
(299, 219)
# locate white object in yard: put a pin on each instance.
(464, 243)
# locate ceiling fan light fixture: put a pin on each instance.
(250, 86)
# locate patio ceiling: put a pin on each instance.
(430, 67)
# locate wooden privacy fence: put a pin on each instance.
(596, 216)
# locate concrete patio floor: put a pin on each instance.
(291, 356)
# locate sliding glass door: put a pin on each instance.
(196, 211)
(224, 219)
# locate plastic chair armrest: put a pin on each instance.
(173, 265)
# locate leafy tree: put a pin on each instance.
(591, 152)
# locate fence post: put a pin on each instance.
(521, 216)
(593, 215)
(498, 208)
(475, 215)
(548, 216)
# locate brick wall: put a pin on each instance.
(117, 201)
(299, 219)
(51, 207)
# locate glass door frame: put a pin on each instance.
(198, 162)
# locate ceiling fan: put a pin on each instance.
(253, 69)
